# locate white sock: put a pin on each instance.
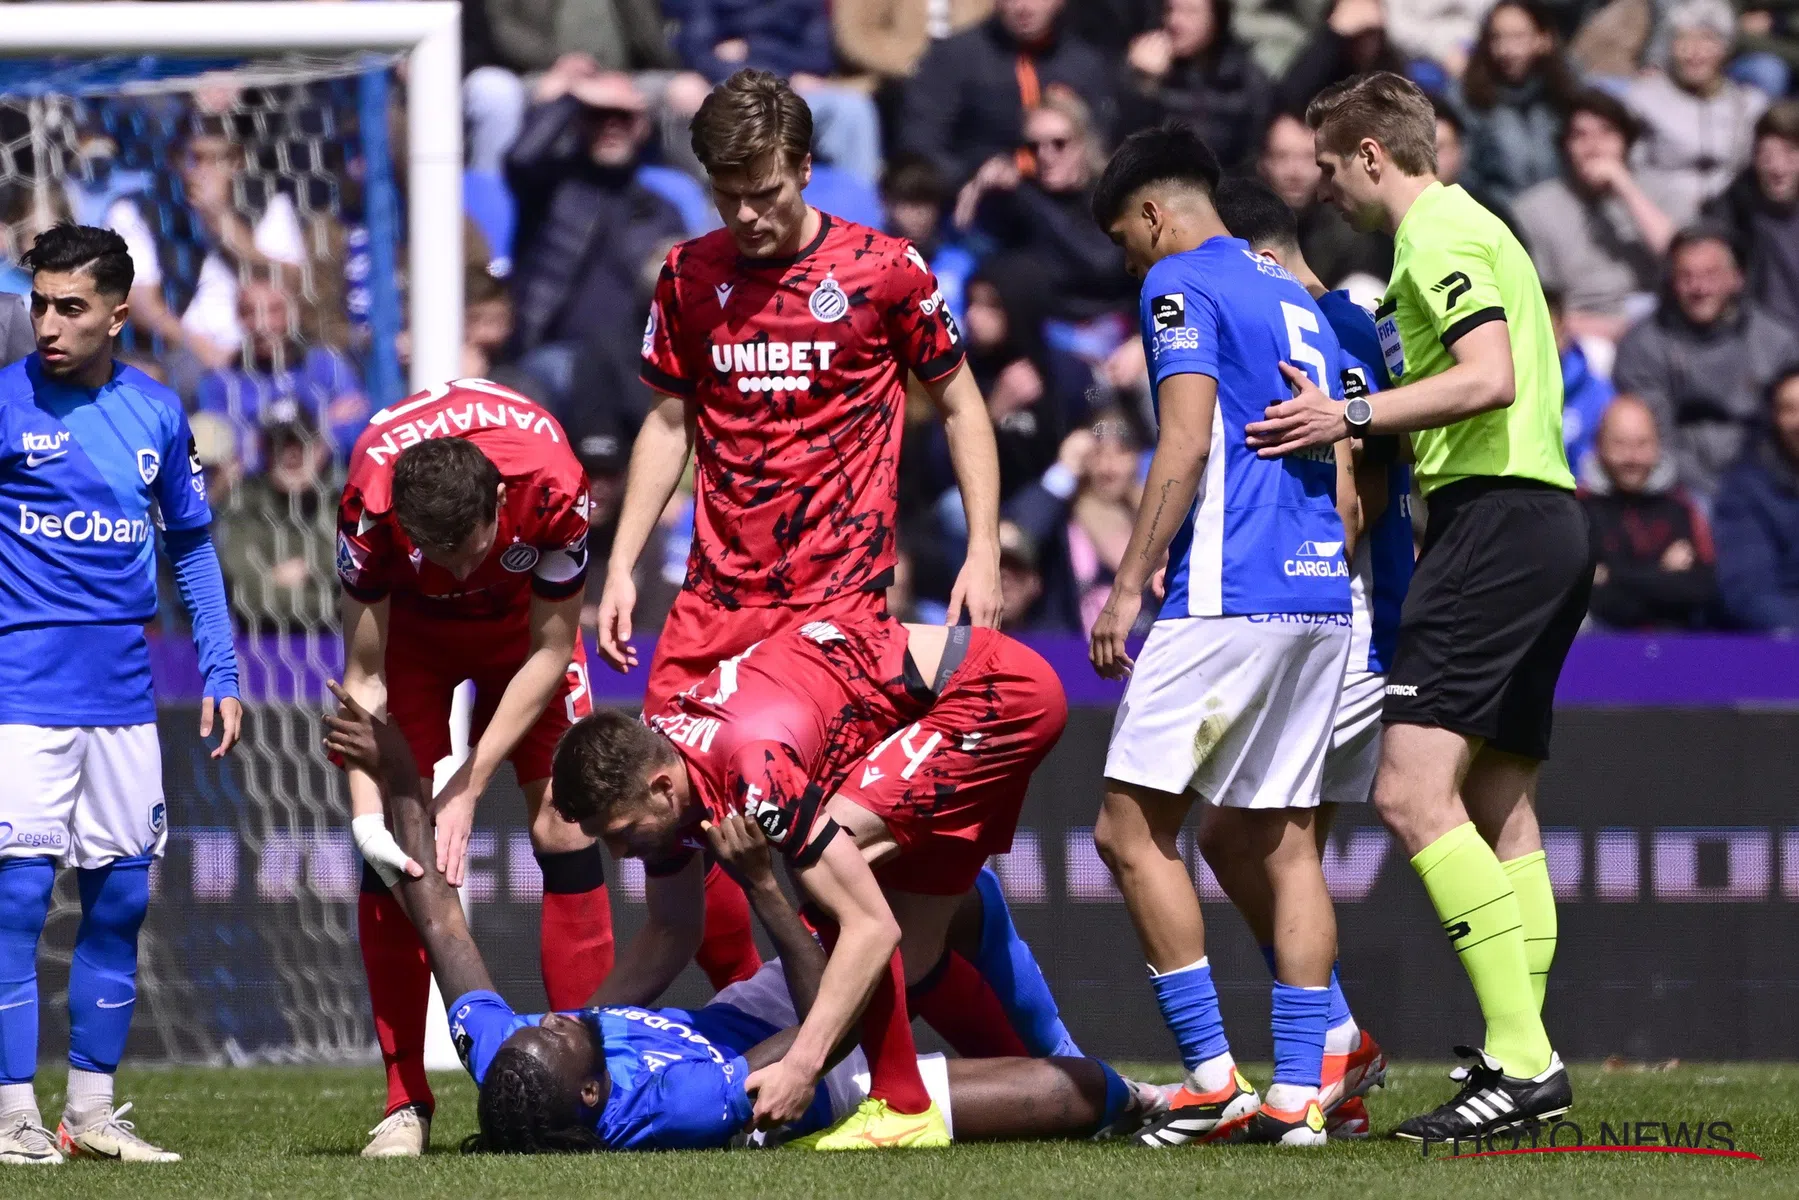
(18, 1099)
(1289, 1097)
(1343, 1039)
(90, 1095)
(1211, 1074)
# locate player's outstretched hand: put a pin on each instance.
(1310, 419)
(355, 735)
(614, 621)
(1106, 645)
(453, 811)
(741, 850)
(231, 723)
(978, 589)
(783, 1093)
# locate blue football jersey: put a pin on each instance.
(1381, 570)
(86, 479)
(1263, 535)
(676, 1077)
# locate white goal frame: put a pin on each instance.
(427, 31)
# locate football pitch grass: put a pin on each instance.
(291, 1132)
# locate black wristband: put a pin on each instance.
(571, 872)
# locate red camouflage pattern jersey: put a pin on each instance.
(797, 368)
(774, 731)
(541, 548)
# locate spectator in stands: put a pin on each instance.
(586, 223)
(185, 273)
(1353, 40)
(1043, 222)
(487, 321)
(1020, 578)
(1435, 36)
(888, 38)
(1761, 209)
(1698, 124)
(1758, 520)
(966, 104)
(1517, 89)
(278, 371)
(1193, 67)
(1704, 360)
(1595, 234)
(792, 38)
(1651, 543)
(1336, 251)
(1034, 393)
(528, 38)
(279, 535)
(1585, 393)
(1452, 160)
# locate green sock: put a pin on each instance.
(1474, 900)
(1536, 904)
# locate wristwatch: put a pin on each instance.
(1358, 414)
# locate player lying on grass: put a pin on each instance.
(916, 742)
(629, 1078)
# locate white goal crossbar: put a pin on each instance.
(427, 31)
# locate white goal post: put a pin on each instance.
(426, 31)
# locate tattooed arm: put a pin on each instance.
(1186, 403)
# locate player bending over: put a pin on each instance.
(779, 348)
(628, 1078)
(94, 458)
(1378, 523)
(462, 550)
(1233, 695)
(886, 762)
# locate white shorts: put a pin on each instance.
(86, 795)
(1237, 709)
(764, 995)
(1354, 756)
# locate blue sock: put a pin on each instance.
(1118, 1094)
(1299, 1025)
(1339, 1008)
(1189, 1005)
(1005, 961)
(103, 974)
(25, 885)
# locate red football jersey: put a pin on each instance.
(775, 730)
(798, 371)
(541, 547)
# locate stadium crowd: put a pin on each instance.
(1647, 154)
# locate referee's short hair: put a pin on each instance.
(1167, 153)
(66, 246)
(1389, 108)
(1253, 211)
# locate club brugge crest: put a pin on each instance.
(148, 464)
(828, 303)
(519, 558)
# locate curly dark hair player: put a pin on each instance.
(629, 1078)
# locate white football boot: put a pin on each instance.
(25, 1143)
(112, 1136)
(403, 1133)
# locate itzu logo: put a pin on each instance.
(828, 303)
(41, 448)
(1322, 560)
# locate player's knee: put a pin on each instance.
(1121, 836)
(25, 886)
(1220, 842)
(115, 897)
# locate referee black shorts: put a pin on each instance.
(1500, 591)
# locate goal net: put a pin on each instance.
(257, 159)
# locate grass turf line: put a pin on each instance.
(289, 1132)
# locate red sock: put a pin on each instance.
(728, 953)
(886, 1032)
(399, 978)
(575, 927)
(960, 1005)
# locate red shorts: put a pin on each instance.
(427, 660)
(699, 635)
(951, 786)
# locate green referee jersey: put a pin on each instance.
(1455, 267)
